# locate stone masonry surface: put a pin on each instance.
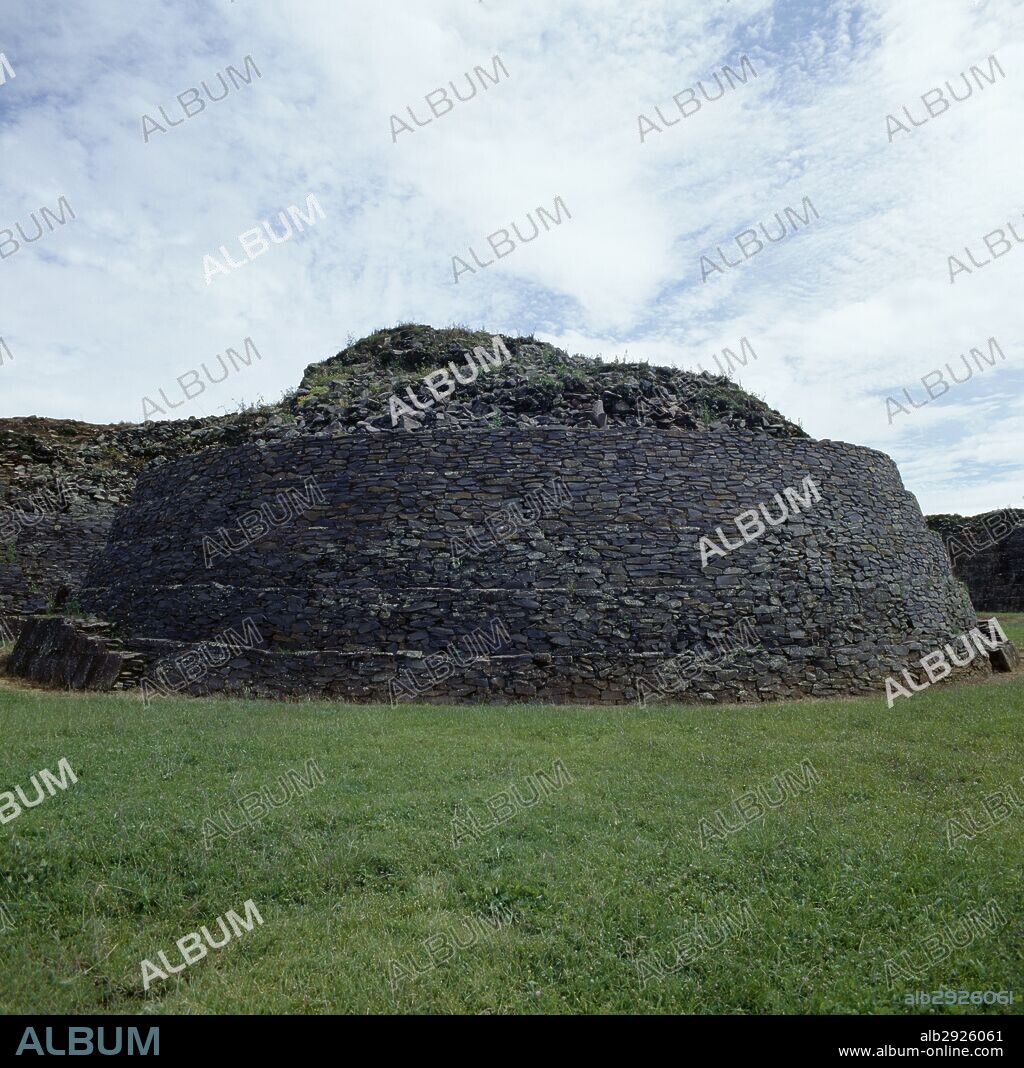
(987, 554)
(593, 594)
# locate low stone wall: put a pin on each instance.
(57, 653)
(594, 589)
(70, 653)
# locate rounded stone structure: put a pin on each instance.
(568, 561)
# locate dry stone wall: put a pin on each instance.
(583, 595)
(62, 482)
(987, 555)
(76, 654)
(46, 551)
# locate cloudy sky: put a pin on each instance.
(855, 307)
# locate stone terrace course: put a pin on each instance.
(594, 594)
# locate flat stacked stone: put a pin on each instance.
(593, 593)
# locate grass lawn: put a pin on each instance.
(799, 910)
(1012, 623)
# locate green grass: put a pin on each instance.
(1012, 623)
(596, 875)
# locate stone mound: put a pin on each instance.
(538, 529)
(528, 562)
(62, 482)
(537, 385)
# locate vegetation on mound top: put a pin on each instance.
(350, 392)
(540, 385)
(950, 523)
(409, 347)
